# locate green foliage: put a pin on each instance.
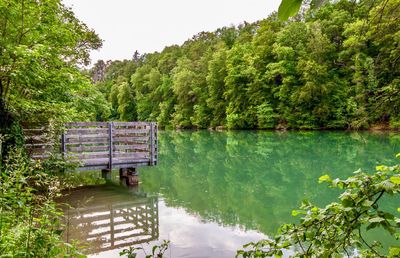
(157, 251)
(41, 46)
(338, 228)
(288, 8)
(29, 220)
(335, 67)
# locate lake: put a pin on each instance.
(212, 192)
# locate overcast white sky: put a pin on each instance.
(150, 25)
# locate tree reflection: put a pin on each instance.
(254, 179)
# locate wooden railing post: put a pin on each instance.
(110, 135)
(155, 147)
(151, 145)
(63, 146)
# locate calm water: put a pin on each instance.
(212, 192)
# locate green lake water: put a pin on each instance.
(212, 192)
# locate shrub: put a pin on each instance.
(29, 220)
(338, 229)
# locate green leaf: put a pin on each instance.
(367, 203)
(394, 251)
(288, 8)
(376, 220)
(317, 3)
(324, 178)
(395, 180)
(398, 155)
(297, 212)
(347, 203)
(381, 168)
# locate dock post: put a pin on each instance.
(130, 176)
(106, 174)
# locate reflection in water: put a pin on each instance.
(254, 179)
(110, 218)
(220, 190)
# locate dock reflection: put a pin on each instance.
(103, 218)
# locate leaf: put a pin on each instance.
(317, 3)
(324, 178)
(288, 8)
(394, 251)
(398, 155)
(395, 180)
(367, 203)
(381, 168)
(347, 203)
(297, 212)
(376, 220)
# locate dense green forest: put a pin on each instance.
(337, 66)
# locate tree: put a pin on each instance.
(41, 45)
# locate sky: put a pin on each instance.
(151, 25)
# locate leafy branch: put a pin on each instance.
(337, 229)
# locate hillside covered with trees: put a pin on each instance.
(335, 67)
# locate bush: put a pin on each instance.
(29, 220)
(338, 229)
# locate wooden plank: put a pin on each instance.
(130, 139)
(35, 138)
(143, 147)
(130, 161)
(85, 136)
(37, 144)
(85, 124)
(90, 155)
(93, 167)
(38, 150)
(97, 161)
(91, 140)
(86, 148)
(79, 131)
(136, 164)
(40, 129)
(40, 156)
(116, 124)
(132, 155)
(129, 131)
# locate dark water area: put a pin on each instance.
(212, 192)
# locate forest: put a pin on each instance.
(336, 67)
(332, 67)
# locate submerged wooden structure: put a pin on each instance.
(100, 146)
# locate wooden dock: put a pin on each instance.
(99, 145)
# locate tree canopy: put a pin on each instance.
(42, 45)
(336, 66)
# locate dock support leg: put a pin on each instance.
(130, 176)
(106, 174)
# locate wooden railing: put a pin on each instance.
(100, 145)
